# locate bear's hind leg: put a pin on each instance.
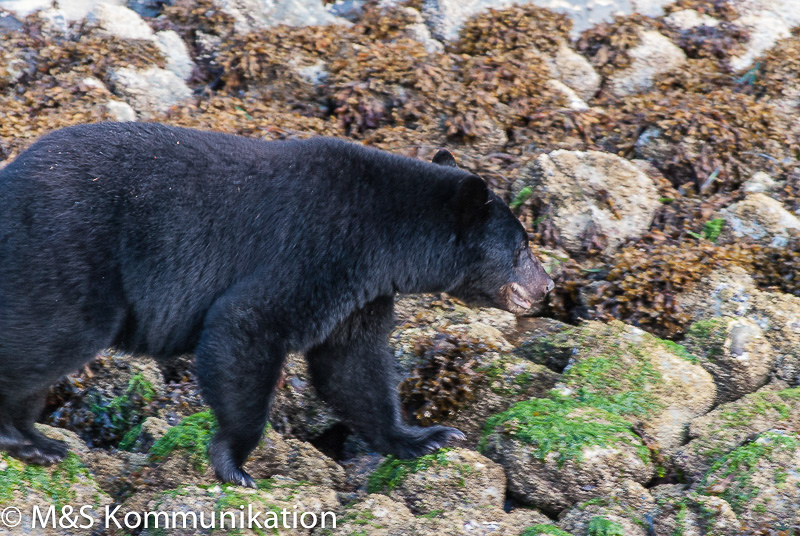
(18, 436)
(238, 366)
(353, 370)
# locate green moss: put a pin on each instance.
(432, 514)
(562, 426)
(740, 464)
(601, 526)
(537, 530)
(391, 472)
(679, 350)
(130, 438)
(759, 404)
(54, 483)
(612, 383)
(192, 434)
(707, 336)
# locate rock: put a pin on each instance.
(761, 218)
(679, 512)
(575, 71)
(150, 91)
(68, 483)
(445, 480)
(732, 292)
(296, 409)
(254, 15)
(556, 453)
(650, 382)
(446, 17)
(275, 496)
(654, 55)
(574, 102)
(120, 111)
(622, 511)
(731, 424)
(14, 64)
(151, 430)
(735, 352)
(383, 516)
(592, 190)
(766, 22)
(760, 481)
(483, 521)
(120, 22)
(686, 19)
(9, 23)
(760, 183)
(294, 459)
(174, 50)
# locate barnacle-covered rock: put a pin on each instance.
(591, 191)
(730, 425)
(761, 218)
(150, 91)
(556, 452)
(735, 352)
(448, 479)
(621, 511)
(759, 480)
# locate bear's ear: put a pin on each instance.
(444, 157)
(471, 199)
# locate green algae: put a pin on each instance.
(601, 526)
(562, 426)
(192, 434)
(54, 483)
(392, 471)
(740, 465)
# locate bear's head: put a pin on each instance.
(501, 271)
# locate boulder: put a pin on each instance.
(556, 453)
(621, 511)
(447, 480)
(150, 91)
(120, 22)
(735, 352)
(766, 22)
(761, 218)
(654, 55)
(592, 191)
(254, 15)
(174, 50)
(731, 425)
(575, 71)
(760, 481)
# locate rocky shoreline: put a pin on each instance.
(654, 159)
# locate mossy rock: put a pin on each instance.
(679, 512)
(448, 479)
(735, 351)
(557, 452)
(759, 480)
(651, 382)
(728, 426)
(270, 500)
(621, 512)
(68, 483)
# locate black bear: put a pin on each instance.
(163, 241)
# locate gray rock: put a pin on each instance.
(120, 22)
(120, 111)
(150, 91)
(592, 189)
(253, 15)
(654, 55)
(686, 19)
(766, 21)
(621, 511)
(73, 10)
(761, 218)
(175, 51)
(731, 425)
(574, 102)
(735, 352)
(575, 71)
(148, 8)
(760, 183)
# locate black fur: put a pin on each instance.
(162, 240)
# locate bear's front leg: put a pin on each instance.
(239, 358)
(353, 370)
